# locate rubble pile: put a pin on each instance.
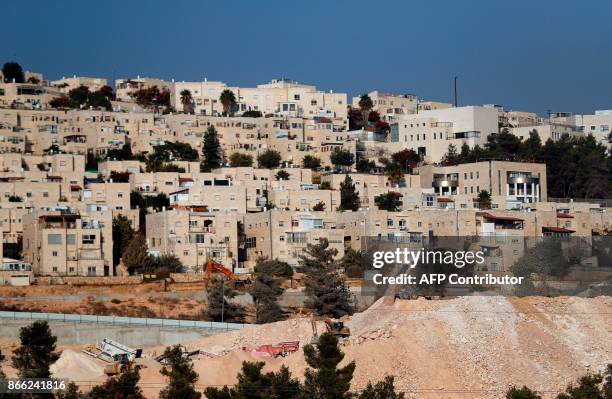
(475, 346)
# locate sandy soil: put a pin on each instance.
(473, 347)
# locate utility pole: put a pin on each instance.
(222, 298)
(455, 92)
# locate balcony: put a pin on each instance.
(523, 179)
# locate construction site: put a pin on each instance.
(474, 347)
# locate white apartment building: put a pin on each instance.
(430, 133)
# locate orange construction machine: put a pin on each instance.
(213, 266)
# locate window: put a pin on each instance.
(250, 242)
(54, 253)
(199, 238)
(389, 222)
(91, 270)
(89, 239)
(54, 239)
(71, 239)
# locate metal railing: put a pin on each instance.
(124, 321)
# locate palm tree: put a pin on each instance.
(186, 100)
(366, 105)
(228, 99)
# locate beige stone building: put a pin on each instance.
(512, 185)
(66, 84)
(194, 235)
(430, 133)
(391, 106)
(284, 235)
(67, 243)
(123, 87)
(279, 96)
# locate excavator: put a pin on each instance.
(121, 364)
(335, 327)
(212, 266)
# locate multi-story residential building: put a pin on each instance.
(64, 242)
(598, 124)
(280, 96)
(547, 131)
(391, 106)
(124, 87)
(284, 235)
(430, 133)
(512, 185)
(66, 84)
(432, 105)
(194, 235)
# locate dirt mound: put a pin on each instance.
(442, 349)
(77, 366)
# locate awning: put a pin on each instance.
(564, 215)
(489, 216)
(546, 229)
(74, 187)
(445, 200)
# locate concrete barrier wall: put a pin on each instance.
(83, 280)
(83, 333)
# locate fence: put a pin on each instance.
(124, 321)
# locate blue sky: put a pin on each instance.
(527, 55)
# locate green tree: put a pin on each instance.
(269, 159)
(12, 71)
(60, 102)
(122, 234)
(252, 114)
(36, 352)
(451, 157)
(384, 389)
(325, 379)
(365, 106)
(253, 384)
(167, 262)
(349, 198)
(187, 101)
(531, 149)
(319, 206)
(282, 175)
(365, 166)
(394, 172)
(311, 162)
(238, 159)
(267, 289)
(484, 200)
(326, 289)
(212, 151)
(342, 158)
(228, 100)
(589, 387)
(125, 153)
(351, 263)
(135, 257)
(388, 202)
(163, 155)
(181, 376)
(522, 393)
(123, 386)
(218, 307)
(71, 392)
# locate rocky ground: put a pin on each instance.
(472, 347)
